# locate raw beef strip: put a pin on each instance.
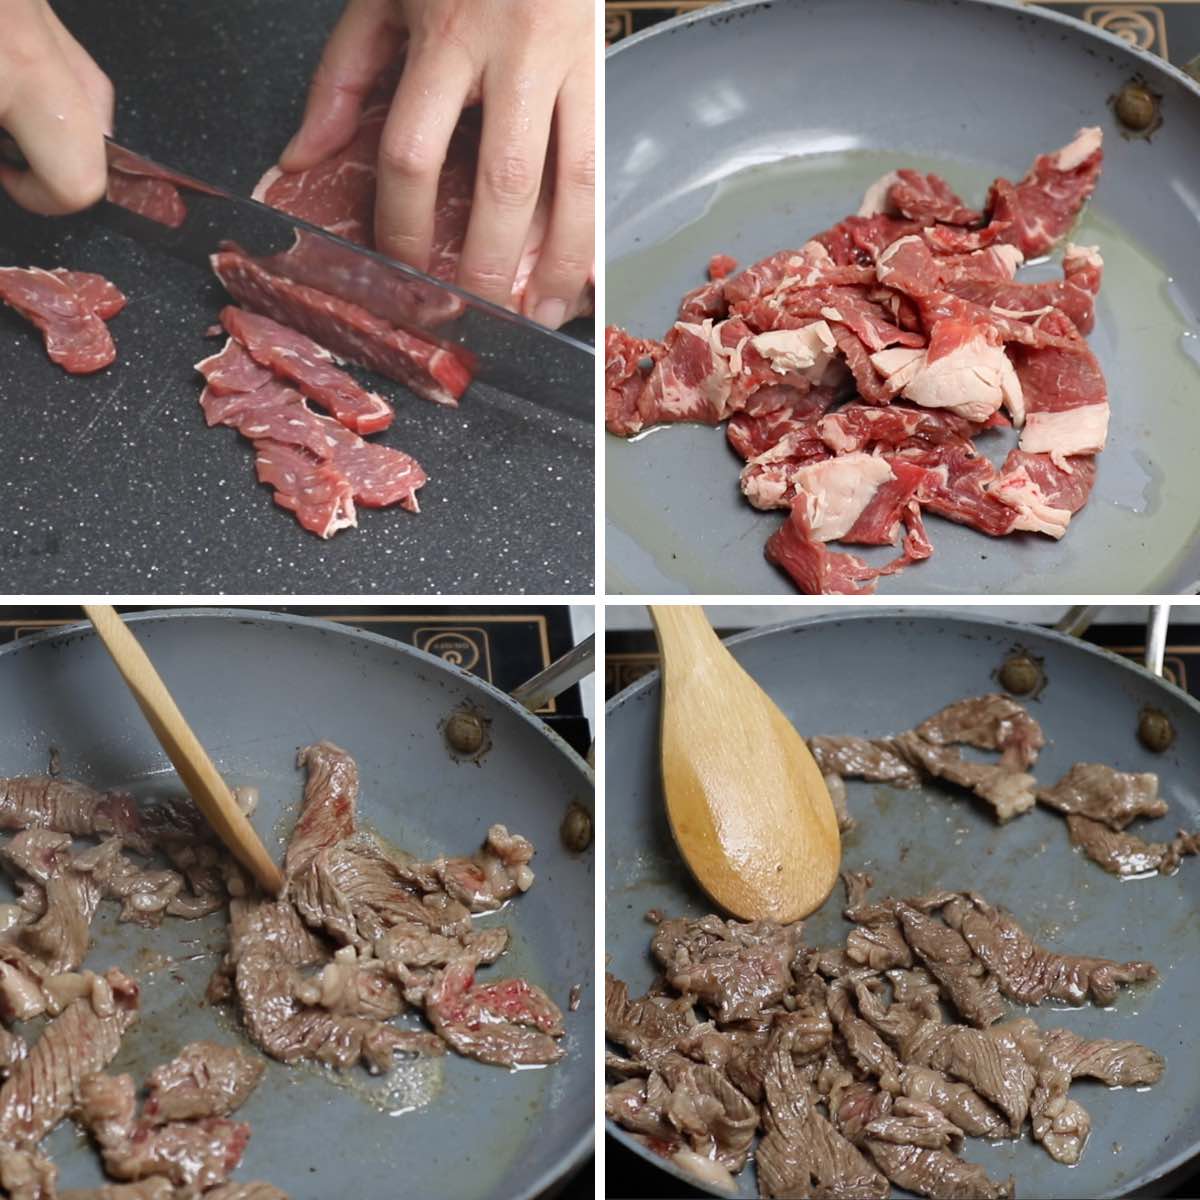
(95, 292)
(798, 413)
(1041, 208)
(82, 1039)
(77, 339)
(815, 569)
(928, 198)
(328, 461)
(339, 195)
(153, 198)
(310, 367)
(320, 496)
(345, 329)
(626, 370)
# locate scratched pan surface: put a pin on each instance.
(255, 688)
(882, 673)
(747, 128)
(113, 478)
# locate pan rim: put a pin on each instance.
(924, 614)
(1035, 12)
(577, 1152)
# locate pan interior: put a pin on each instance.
(883, 674)
(761, 141)
(256, 688)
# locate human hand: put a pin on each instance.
(531, 63)
(57, 105)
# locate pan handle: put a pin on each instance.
(1075, 622)
(573, 666)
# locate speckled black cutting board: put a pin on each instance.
(112, 482)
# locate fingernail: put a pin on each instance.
(550, 313)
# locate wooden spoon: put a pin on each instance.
(747, 804)
(200, 777)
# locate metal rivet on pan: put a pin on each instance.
(466, 733)
(1021, 675)
(576, 832)
(1155, 730)
(1136, 107)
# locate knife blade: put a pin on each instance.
(192, 219)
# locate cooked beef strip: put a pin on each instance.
(864, 1045)
(1009, 792)
(205, 1079)
(1059, 1122)
(1115, 1063)
(873, 759)
(81, 1040)
(61, 936)
(416, 945)
(1029, 973)
(967, 984)
(801, 1153)
(836, 787)
(638, 1104)
(22, 984)
(12, 1050)
(879, 946)
(1104, 794)
(290, 1031)
(26, 1175)
(353, 987)
(915, 988)
(146, 895)
(735, 969)
(917, 1123)
(44, 802)
(246, 1191)
(854, 1103)
(191, 1154)
(958, 1102)
(330, 804)
(275, 926)
(509, 1022)
(617, 1066)
(991, 722)
(155, 1188)
(857, 884)
(1127, 854)
(496, 873)
(936, 1173)
(990, 1060)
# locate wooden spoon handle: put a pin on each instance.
(201, 778)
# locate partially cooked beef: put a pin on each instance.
(205, 1079)
(1008, 791)
(863, 758)
(991, 722)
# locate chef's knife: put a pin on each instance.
(526, 360)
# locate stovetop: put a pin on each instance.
(1170, 28)
(504, 646)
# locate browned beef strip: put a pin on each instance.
(80, 1041)
(191, 1154)
(509, 1022)
(1009, 792)
(638, 1105)
(873, 759)
(1115, 1063)
(145, 895)
(1030, 973)
(26, 1175)
(155, 1188)
(991, 722)
(1104, 794)
(916, 1123)
(735, 969)
(62, 935)
(330, 804)
(864, 1045)
(355, 894)
(44, 802)
(937, 1173)
(957, 1101)
(801, 1153)
(205, 1079)
(274, 925)
(496, 873)
(948, 957)
(246, 1191)
(290, 1031)
(990, 1060)
(879, 946)
(1125, 853)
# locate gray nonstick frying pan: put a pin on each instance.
(745, 128)
(882, 671)
(255, 687)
